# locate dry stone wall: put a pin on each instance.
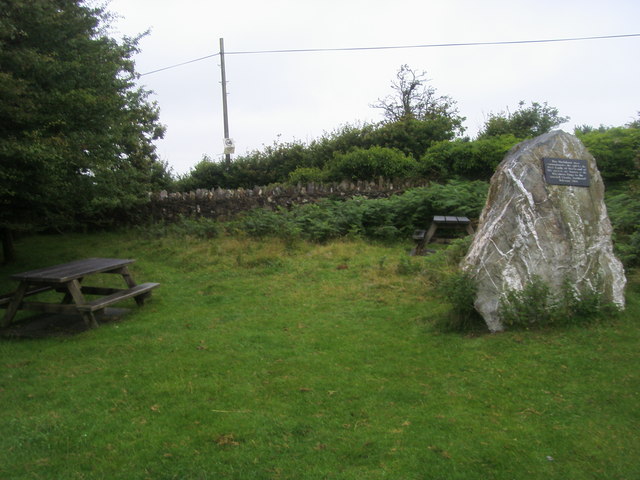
(223, 204)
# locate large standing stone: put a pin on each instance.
(530, 227)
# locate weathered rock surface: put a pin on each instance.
(531, 228)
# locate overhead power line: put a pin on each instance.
(397, 47)
(179, 64)
(432, 45)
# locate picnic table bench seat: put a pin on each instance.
(139, 292)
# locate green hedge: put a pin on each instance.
(475, 160)
(370, 164)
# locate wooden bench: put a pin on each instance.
(139, 292)
(423, 237)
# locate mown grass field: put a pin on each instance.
(266, 360)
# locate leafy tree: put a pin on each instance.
(76, 133)
(524, 122)
(415, 116)
(414, 98)
(635, 123)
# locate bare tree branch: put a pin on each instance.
(413, 97)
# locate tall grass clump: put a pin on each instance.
(459, 291)
(201, 228)
(453, 287)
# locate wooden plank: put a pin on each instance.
(100, 303)
(450, 220)
(70, 271)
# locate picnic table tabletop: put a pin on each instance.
(69, 271)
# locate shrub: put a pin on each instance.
(413, 137)
(537, 305)
(529, 306)
(205, 174)
(623, 206)
(459, 198)
(380, 219)
(458, 290)
(318, 221)
(475, 160)
(457, 250)
(403, 140)
(305, 175)
(261, 222)
(524, 122)
(629, 251)
(416, 207)
(408, 265)
(370, 164)
(616, 150)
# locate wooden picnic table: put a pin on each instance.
(67, 279)
(423, 237)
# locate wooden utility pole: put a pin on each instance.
(225, 114)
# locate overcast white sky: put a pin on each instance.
(299, 96)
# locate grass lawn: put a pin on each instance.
(262, 360)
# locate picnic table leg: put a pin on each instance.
(14, 304)
(68, 298)
(417, 250)
(432, 229)
(128, 278)
(73, 288)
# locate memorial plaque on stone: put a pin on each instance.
(566, 171)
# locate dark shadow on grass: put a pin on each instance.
(56, 325)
